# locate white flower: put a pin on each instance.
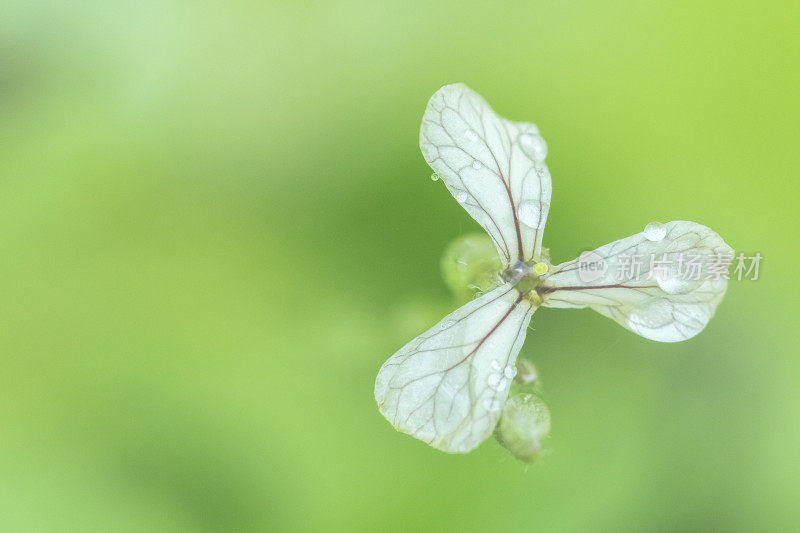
(444, 386)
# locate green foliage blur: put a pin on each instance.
(471, 266)
(215, 226)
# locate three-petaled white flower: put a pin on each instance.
(448, 386)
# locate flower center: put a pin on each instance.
(525, 278)
(516, 272)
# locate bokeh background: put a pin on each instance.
(215, 225)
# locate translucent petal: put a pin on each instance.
(671, 296)
(492, 166)
(447, 387)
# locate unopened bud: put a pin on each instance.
(524, 424)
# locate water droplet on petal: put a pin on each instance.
(501, 385)
(461, 197)
(434, 177)
(470, 135)
(675, 277)
(510, 371)
(654, 231)
(676, 284)
(477, 165)
(447, 323)
(533, 146)
(494, 380)
(496, 364)
(530, 213)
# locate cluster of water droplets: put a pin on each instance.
(655, 313)
(672, 275)
(501, 377)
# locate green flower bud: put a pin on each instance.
(524, 424)
(471, 266)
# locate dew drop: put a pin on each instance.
(494, 380)
(509, 372)
(434, 177)
(447, 323)
(675, 276)
(477, 165)
(501, 385)
(461, 196)
(530, 213)
(655, 231)
(674, 283)
(470, 135)
(533, 146)
(496, 364)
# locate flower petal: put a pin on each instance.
(492, 166)
(447, 387)
(671, 296)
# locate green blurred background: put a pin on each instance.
(215, 225)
